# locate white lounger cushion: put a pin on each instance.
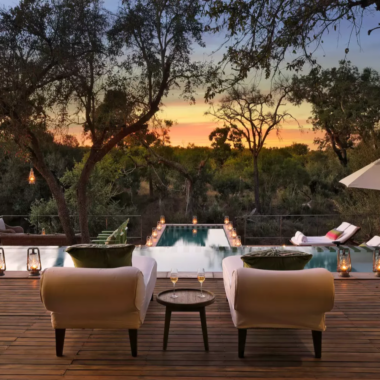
(374, 242)
(115, 298)
(277, 299)
(348, 229)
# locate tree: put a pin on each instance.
(66, 61)
(251, 116)
(261, 34)
(345, 105)
(221, 148)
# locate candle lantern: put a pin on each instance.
(238, 242)
(32, 177)
(159, 226)
(195, 220)
(230, 226)
(3, 266)
(33, 261)
(149, 241)
(344, 262)
(376, 261)
(194, 231)
(226, 220)
(162, 219)
(154, 233)
(234, 233)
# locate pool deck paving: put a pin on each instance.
(350, 349)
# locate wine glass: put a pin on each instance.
(201, 278)
(174, 279)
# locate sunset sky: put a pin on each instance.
(192, 126)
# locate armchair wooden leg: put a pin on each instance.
(242, 339)
(317, 341)
(133, 341)
(152, 297)
(59, 341)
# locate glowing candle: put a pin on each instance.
(149, 242)
(226, 220)
(154, 233)
(195, 220)
(159, 226)
(162, 219)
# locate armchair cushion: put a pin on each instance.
(273, 259)
(101, 256)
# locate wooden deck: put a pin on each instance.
(351, 345)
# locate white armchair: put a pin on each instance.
(80, 298)
(278, 299)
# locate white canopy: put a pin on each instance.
(365, 178)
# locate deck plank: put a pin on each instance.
(351, 344)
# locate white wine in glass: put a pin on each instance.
(201, 278)
(174, 279)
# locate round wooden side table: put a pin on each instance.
(188, 301)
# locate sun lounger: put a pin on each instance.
(349, 230)
(372, 243)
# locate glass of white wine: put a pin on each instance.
(201, 278)
(174, 279)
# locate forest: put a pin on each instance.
(68, 63)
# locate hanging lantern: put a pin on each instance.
(32, 177)
(195, 220)
(154, 233)
(159, 226)
(344, 266)
(234, 233)
(33, 262)
(149, 241)
(230, 227)
(238, 242)
(226, 220)
(162, 219)
(195, 231)
(376, 262)
(3, 265)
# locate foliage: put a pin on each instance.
(104, 187)
(346, 105)
(261, 34)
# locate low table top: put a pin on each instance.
(187, 298)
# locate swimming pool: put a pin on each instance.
(190, 258)
(189, 235)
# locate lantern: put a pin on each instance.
(162, 219)
(149, 241)
(194, 231)
(344, 262)
(154, 233)
(3, 266)
(234, 233)
(376, 261)
(159, 226)
(226, 220)
(230, 227)
(33, 261)
(32, 177)
(238, 242)
(195, 220)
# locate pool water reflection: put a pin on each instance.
(199, 236)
